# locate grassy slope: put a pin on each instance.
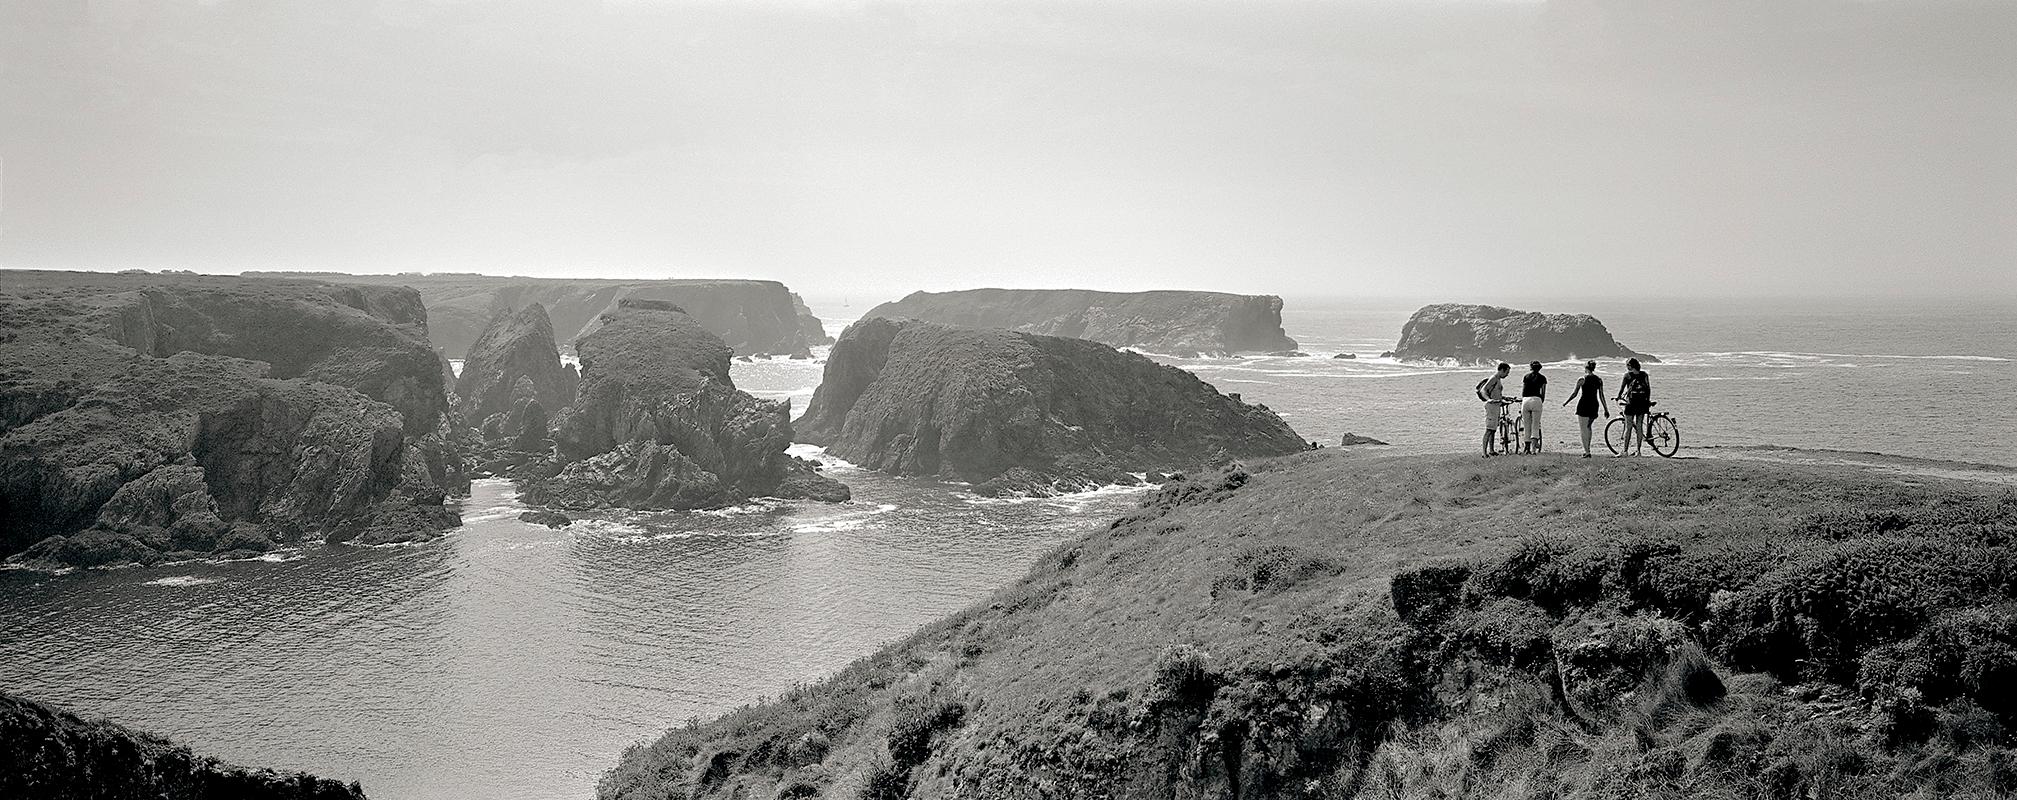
(1243, 643)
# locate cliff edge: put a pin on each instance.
(147, 416)
(1342, 624)
(1179, 323)
(1020, 413)
(1477, 334)
(50, 754)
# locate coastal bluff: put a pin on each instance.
(1178, 323)
(50, 754)
(659, 424)
(153, 416)
(1342, 623)
(1022, 413)
(755, 317)
(1480, 334)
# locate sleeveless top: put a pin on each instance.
(1587, 403)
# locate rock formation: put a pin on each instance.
(1020, 413)
(753, 317)
(659, 424)
(516, 347)
(51, 754)
(1474, 334)
(1185, 324)
(145, 415)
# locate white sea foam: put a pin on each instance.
(183, 580)
(817, 453)
(845, 521)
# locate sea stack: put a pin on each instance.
(659, 423)
(514, 348)
(1177, 323)
(1020, 413)
(151, 416)
(1474, 334)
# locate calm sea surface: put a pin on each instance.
(513, 661)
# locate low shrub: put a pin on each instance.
(1265, 568)
(1428, 593)
(1820, 611)
(1556, 572)
(1969, 653)
(915, 720)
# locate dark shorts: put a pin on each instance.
(1638, 408)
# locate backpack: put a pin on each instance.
(1481, 389)
(1637, 388)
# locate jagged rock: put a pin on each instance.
(551, 519)
(1386, 354)
(659, 424)
(809, 326)
(1346, 355)
(515, 356)
(1183, 324)
(150, 414)
(48, 753)
(1474, 333)
(1289, 354)
(1010, 411)
(751, 316)
(1351, 439)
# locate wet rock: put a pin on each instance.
(659, 424)
(1346, 355)
(192, 404)
(515, 357)
(551, 519)
(1351, 439)
(1016, 413)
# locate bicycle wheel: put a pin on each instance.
(1505, 435)
(1666, 436)
(1614, 435)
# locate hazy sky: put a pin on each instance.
(1463, 149)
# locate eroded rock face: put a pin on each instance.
(49, 753)
(1476, 334)
(155, 416)
(753, 317)
(1018, 413)
(659, 424)
(515, 348)
(1168, 322)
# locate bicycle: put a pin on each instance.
(1510, 433)
(1662, 431)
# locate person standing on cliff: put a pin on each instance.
(1533, 394)
(1591, 389)
(1635, 390)
(1492, 390)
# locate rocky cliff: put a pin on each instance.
(151, 415)
(1168, 322)
(1021, 413)
(659, 423)
(752, 316)
(51, 754)
(1338, 624)
(1471, 333)
(515, 347)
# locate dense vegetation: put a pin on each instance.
(1344, 625)
(50, 754)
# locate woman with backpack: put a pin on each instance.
(1591, 389)
(1635, 390)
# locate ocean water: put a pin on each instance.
(510, 660)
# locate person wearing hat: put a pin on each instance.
(1533, 394)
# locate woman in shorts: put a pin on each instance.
(1635, 390)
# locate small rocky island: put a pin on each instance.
(513, 379)
(47, 752)
(1178, 323)
(659, 424)
(1479, 334)
(754, 317)
(1020, 413)
(150, 417)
